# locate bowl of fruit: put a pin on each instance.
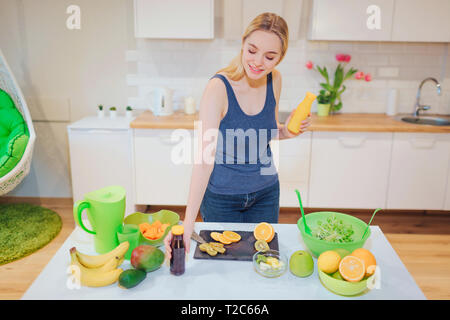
(331, 230)
(270, 263)
(345, 273)
(153, 227)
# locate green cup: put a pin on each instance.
(130, 233)
(105, 210)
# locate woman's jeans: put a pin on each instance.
(259, 206)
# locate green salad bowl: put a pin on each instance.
(164, 216)
(342, 287)
(317, 246)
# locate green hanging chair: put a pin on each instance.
(17, 134)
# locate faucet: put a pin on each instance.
(418, 107)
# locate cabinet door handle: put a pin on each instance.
(352, 142)
(422, 143)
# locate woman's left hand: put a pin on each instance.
(304, 127)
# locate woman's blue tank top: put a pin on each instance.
(243, 160)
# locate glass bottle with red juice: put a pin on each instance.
(178, 254)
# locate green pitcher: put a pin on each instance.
(105, 210)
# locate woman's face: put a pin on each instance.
(261, 53)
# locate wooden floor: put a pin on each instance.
(421, 239)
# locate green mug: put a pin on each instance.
(105, 209)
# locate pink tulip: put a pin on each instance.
(309, 65)
(340, 57)
(359, 75)
(368, 77)
(343, 57)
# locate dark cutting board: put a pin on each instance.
(242, 250)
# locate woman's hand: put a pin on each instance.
(286, 134)
(188, 229)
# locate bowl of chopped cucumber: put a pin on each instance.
(332, 230)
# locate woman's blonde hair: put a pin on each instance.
(267, 21)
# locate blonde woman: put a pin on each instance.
(240, 103)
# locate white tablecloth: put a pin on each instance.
(214, 279)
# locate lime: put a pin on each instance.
(261, 245)
(337, 275)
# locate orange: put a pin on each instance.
(222, 239)
(352, 268)
(264, 231)
(369, 260)
(231, 236)
(215, 235)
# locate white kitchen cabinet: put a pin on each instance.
(162, 174)
(100, 156)
(292, 159)
(349, 169)
(421, 21)
(419, 171)
(174, 19)
(239, 13)
(348, 20)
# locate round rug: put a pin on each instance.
(25, 228)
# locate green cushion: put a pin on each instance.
(14, 134)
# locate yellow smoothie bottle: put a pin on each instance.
(301, 113)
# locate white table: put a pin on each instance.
(229, 280)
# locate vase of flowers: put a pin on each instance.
(323, 103)
(336, 86)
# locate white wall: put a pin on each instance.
(65, 74)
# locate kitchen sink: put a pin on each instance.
(434, 121)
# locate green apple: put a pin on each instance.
(342, 252)
(301, 264)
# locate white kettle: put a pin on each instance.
(160, 101)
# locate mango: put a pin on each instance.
(147, 258)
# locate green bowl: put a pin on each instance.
(342, 287)
(165, 216)
(317, 246)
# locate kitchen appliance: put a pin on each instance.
(105, 209)
(160, 101)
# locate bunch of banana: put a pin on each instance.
(212, 248)
(100, 270)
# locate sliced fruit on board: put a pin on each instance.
(264, 231)
(231, 236)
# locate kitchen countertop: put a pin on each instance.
(224, 280)
(356, 122)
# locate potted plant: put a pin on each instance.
(100, 111)
(113, 112)
(323, 103)
(129, 112)
(336, 87)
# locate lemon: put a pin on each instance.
(261, 245)
(328, 261)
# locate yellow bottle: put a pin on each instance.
(301, 113)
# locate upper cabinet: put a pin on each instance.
(421, 21)
(239, 13)
(380, 20)
(369, 20)
(174, 19)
